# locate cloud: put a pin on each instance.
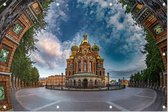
(52, 53)
(114, 21)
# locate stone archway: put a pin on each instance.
(10, 36)
(85, 83)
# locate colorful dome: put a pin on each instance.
(95, 47)
(74, 48)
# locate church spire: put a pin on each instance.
(84, 36)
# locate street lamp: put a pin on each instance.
(108, 80)
(62, 81)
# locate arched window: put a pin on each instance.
(79, 66)
(93, 67)
(90, 66)
(69, 73)
(85, 66)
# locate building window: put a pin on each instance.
(94, 67)
(158, 29)
(17, 28)
(85, 66)
(90, 66)
(79, 66)
(100, 73)
(4, 54)
(69, 73)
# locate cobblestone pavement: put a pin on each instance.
(127, 99)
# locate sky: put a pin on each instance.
(104, 22)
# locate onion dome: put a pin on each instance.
(74, 48)
(71, 57)
(95, 47)
(98, 57)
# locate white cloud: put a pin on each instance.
(52, 53)
(114, 21)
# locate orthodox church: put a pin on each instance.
(85, 66)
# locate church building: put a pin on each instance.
(85, 66)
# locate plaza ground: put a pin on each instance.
(127, 99)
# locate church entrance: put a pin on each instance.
(85, 83)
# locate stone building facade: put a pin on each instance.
(85, 66)
(55, 80)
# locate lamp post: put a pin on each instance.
(108, 80)
(62, 81)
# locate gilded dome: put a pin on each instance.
(98, 57)
(71, 57)
(74, 48)
(95, 47)
(85, 39)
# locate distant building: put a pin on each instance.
(55, 80)
(42, 82)
(124, 82)
(85, 66)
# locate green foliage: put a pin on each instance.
(22, 64)
(153, 61)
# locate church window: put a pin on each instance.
(90, 66)
(100, 72)
(79, 66)
(85, 66)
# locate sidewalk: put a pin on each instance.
(16, 105)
